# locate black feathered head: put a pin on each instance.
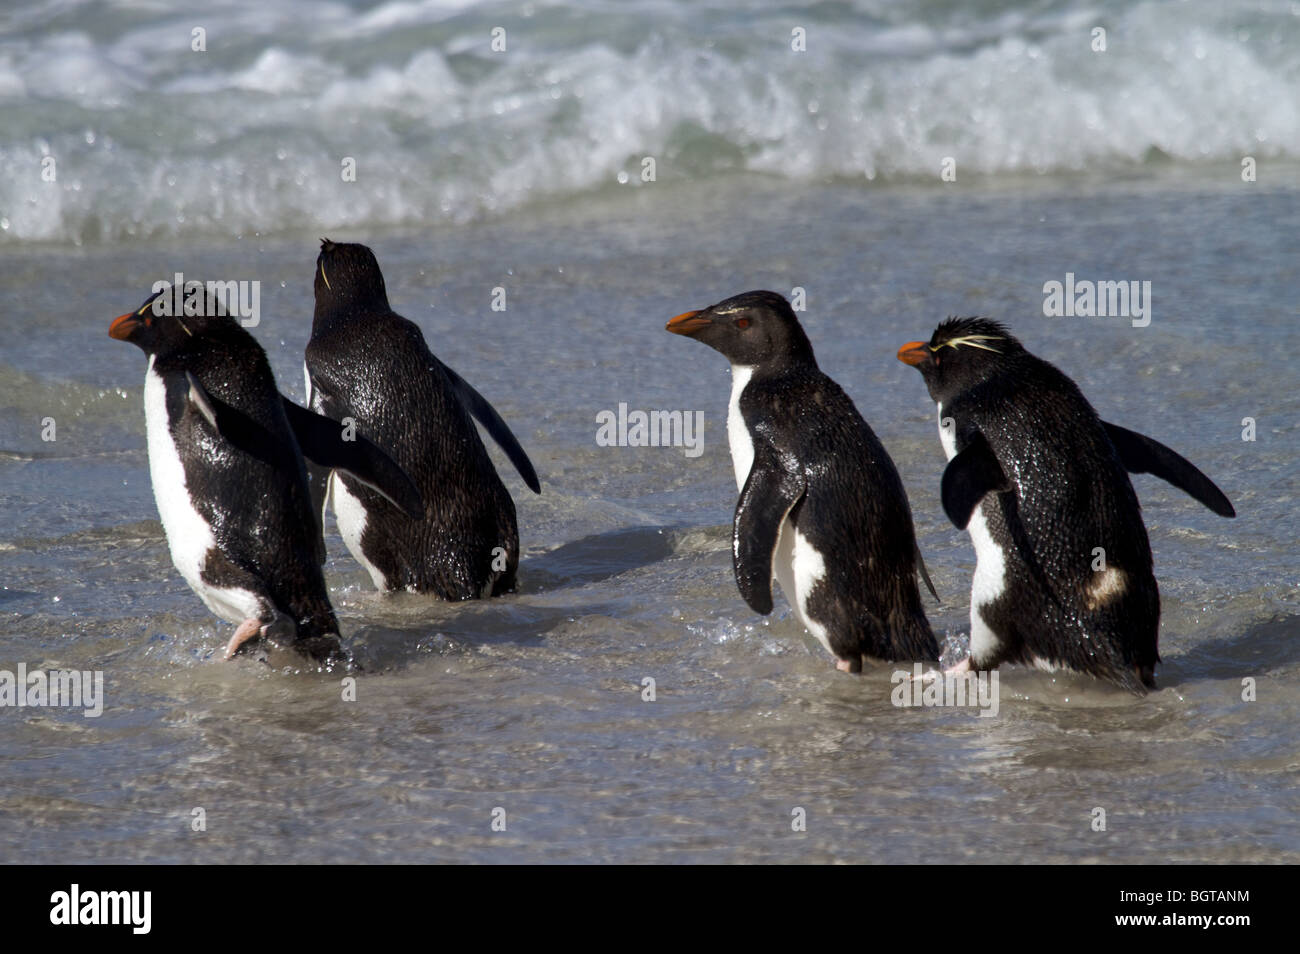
(750, 329)
(961, 353)
(168, 321)
(348, 276)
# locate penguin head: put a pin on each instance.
(962, 353)
(348, 276)
(751, 329)
(154, 329)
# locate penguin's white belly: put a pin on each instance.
(189, 537)
(350, 514)
(798, 568)
(990, 580)
(989, 583)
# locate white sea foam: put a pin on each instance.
(151, 138)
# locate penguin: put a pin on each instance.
(367, 365)
(1063, 574)
(226, 463)
(821, 505)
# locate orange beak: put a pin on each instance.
(123, 325)
(914, 352)
(688, 323)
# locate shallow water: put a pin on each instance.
(533, 703)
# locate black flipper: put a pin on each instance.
(249, 436)
(237, 427)
(198, 396)
(486, 415)
(969, 476)
(920, 566)
(318, 481)
(1142, 455)
(770, 493)
(321, 440)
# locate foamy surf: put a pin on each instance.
(252, 134)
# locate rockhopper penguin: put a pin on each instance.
(229, 479)
(821, 505)
(1063, 575)
(370, 368)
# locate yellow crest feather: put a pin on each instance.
(972, 341)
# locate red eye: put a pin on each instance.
(742, 323)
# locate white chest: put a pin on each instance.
(351, 516)
(947, 435)
(989, 581)
(742, 445)
(189, 537)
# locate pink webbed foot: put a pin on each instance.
(930, 675)
(247, 630)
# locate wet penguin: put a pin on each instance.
(229, 479)
(1063, 575)
(370, 366)
(821, 505)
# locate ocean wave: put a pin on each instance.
(151, 138)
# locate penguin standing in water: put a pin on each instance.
(368, 366)
(1063, 575)
(821, 505)
(229, 479)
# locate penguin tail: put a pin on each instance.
(911, 638)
